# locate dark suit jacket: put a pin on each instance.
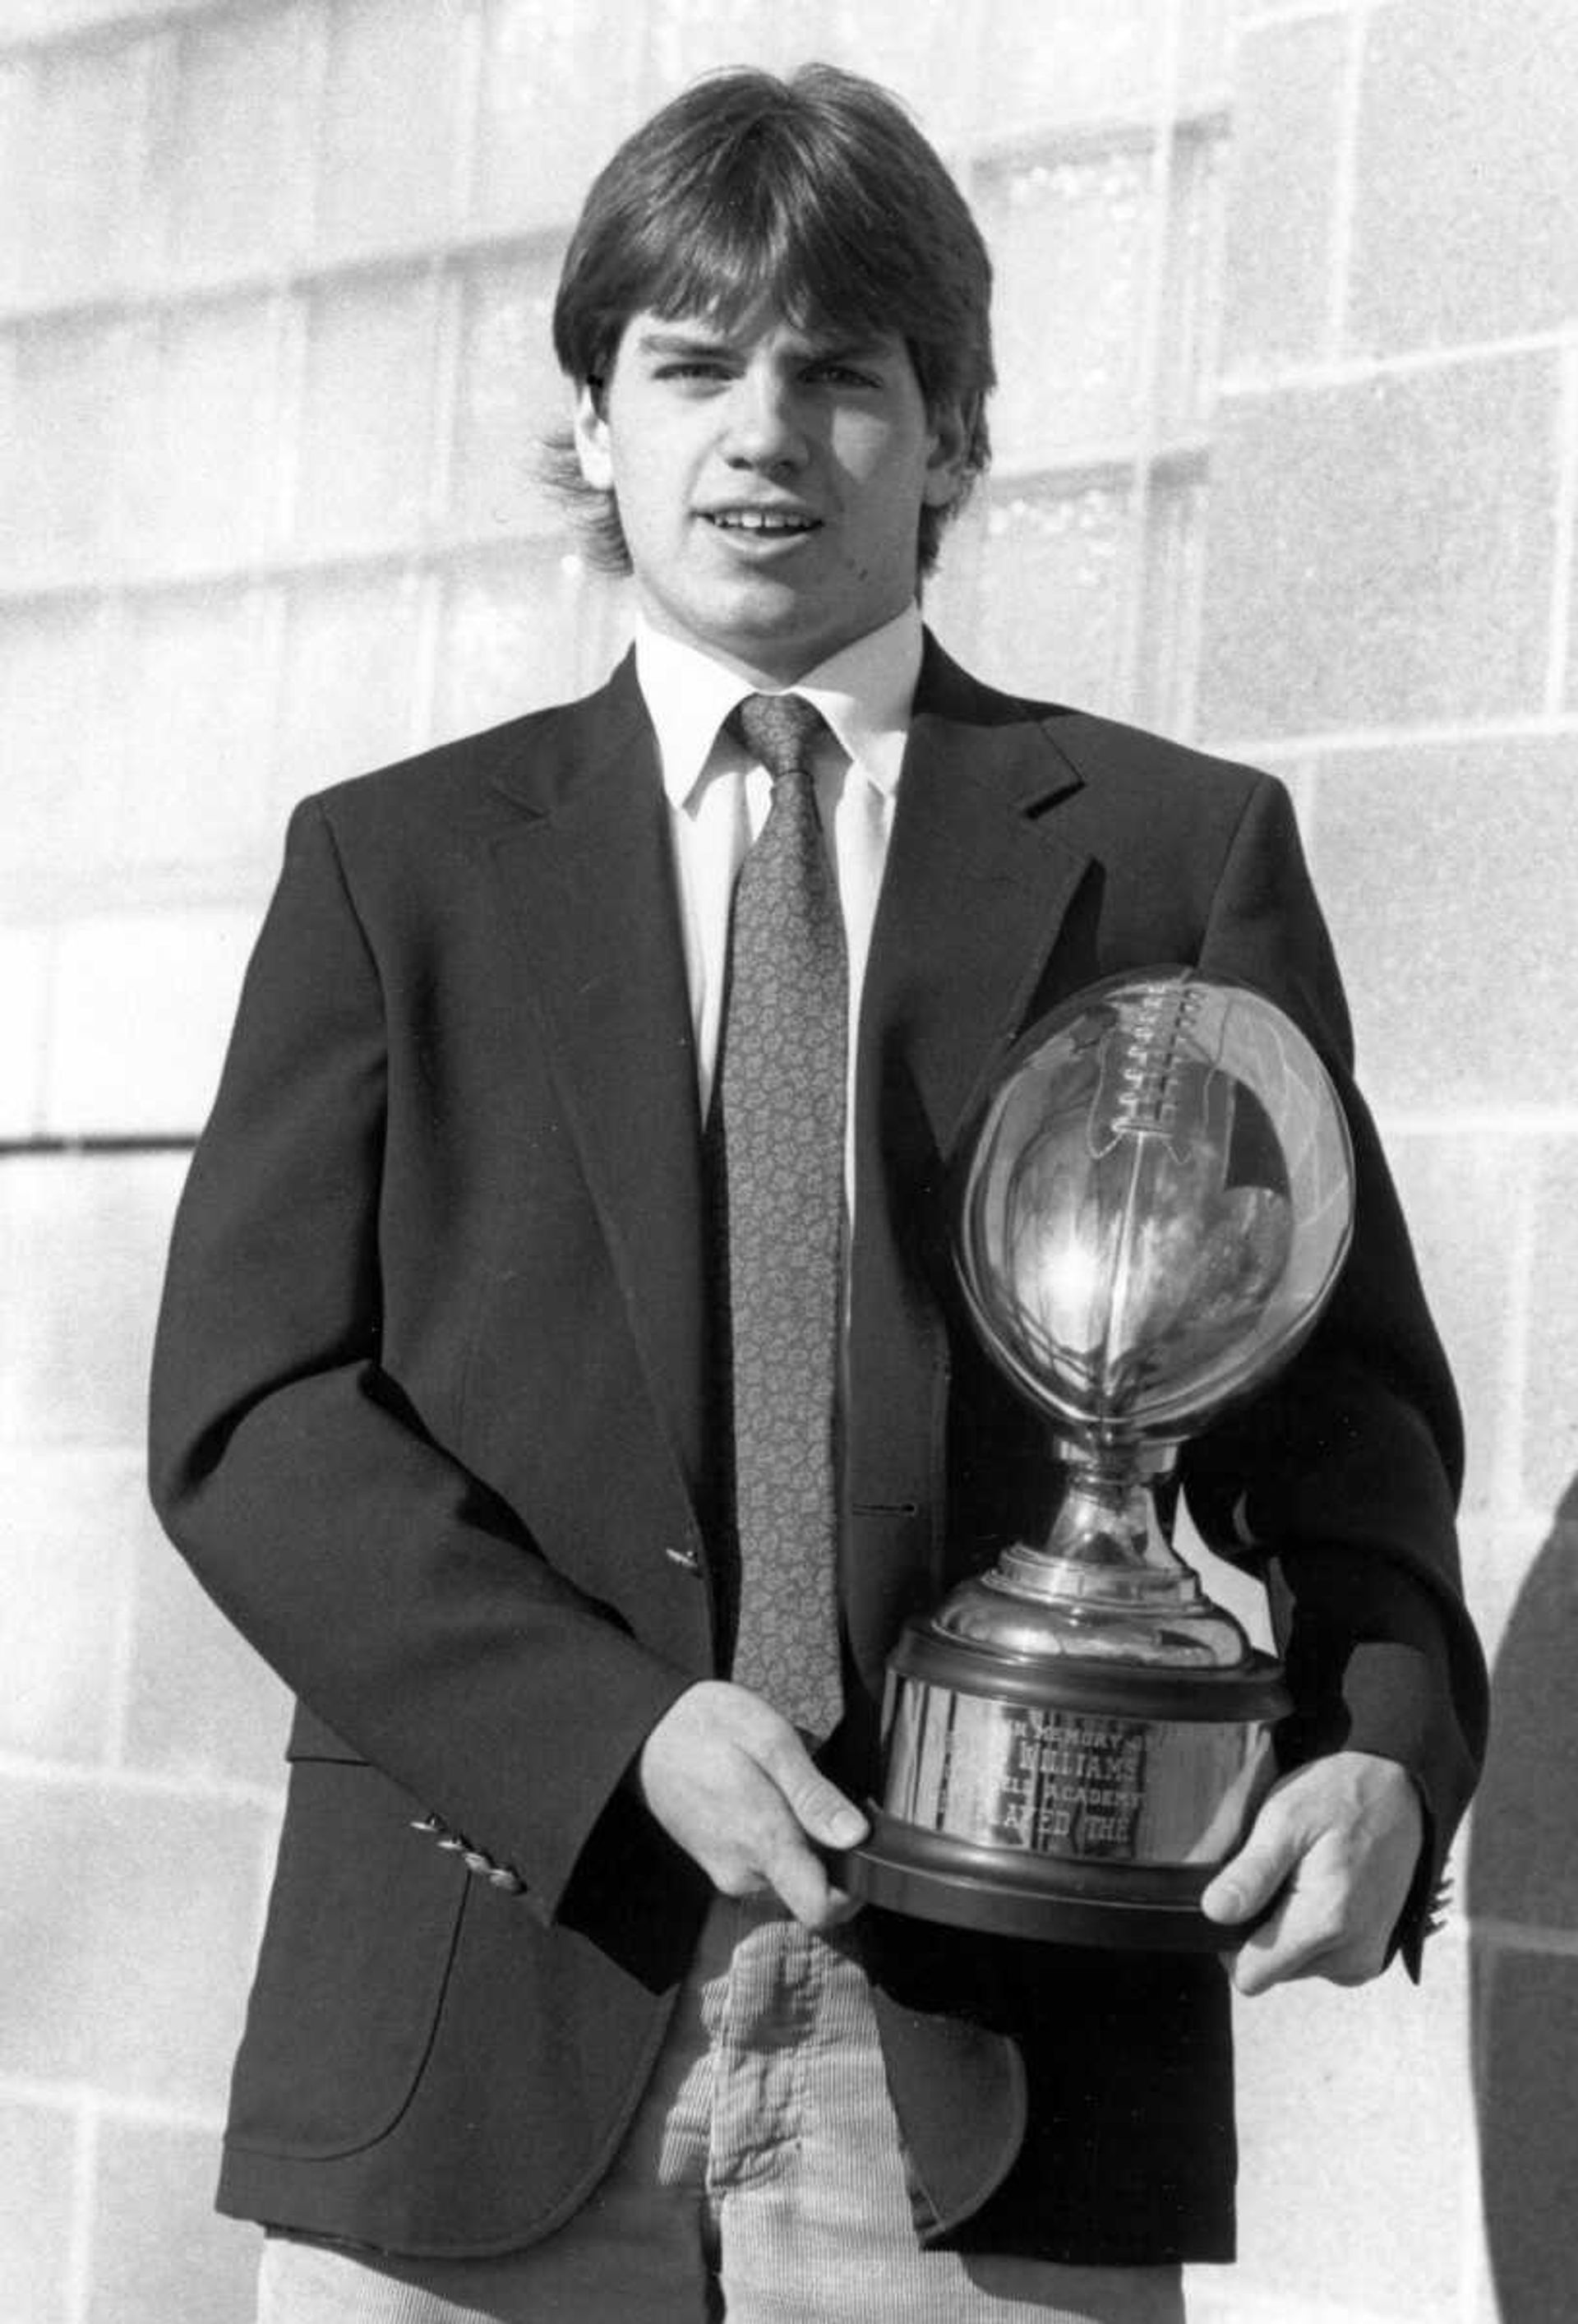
(431, 1420)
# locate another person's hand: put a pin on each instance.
(733, 1783)
(1332, 1852)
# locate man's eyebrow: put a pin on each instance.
(868, 350)
(811, 349)
(684, 343)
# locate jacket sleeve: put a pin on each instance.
(399, 1598)
(1342, 1479)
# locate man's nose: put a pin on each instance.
(764, 429)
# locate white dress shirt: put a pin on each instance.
(719, 796)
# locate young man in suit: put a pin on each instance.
(572, 1213)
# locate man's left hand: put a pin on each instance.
(1332, 1852)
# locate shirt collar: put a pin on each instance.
(864, 691)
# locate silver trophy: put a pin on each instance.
(1159, 1201)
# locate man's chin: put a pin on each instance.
(768, 632)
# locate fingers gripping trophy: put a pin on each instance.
(1158, 1205)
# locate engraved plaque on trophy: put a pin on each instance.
(1158, 1204)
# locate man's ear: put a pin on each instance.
(951, 436)
(591, 444)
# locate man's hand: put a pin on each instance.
(733, 1783)
(1336, 1844)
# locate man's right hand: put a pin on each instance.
(733, 1783)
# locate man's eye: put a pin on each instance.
(693, 370)
(842, 375)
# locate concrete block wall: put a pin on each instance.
(1288, 451)
(1387, 620)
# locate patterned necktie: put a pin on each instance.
(781, 1118)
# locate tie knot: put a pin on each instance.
(781, 730)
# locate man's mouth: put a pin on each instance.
(761, 520)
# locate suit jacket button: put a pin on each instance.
(685, 1558)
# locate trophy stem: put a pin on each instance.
(1106, 1583)
(1108, 1542)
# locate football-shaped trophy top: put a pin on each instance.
(1159, 1203)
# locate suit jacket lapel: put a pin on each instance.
(592, 902)
(975, 889)
(976, 884)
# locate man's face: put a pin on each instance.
(769, 481)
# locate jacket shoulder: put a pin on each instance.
(1121, 762)
(436, 780)
(457, 785)
(1169, 801)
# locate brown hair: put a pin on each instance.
(816, 195)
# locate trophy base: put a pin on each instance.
(934, 1878)
(1081, 1800)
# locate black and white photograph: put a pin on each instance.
(788, 1188)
